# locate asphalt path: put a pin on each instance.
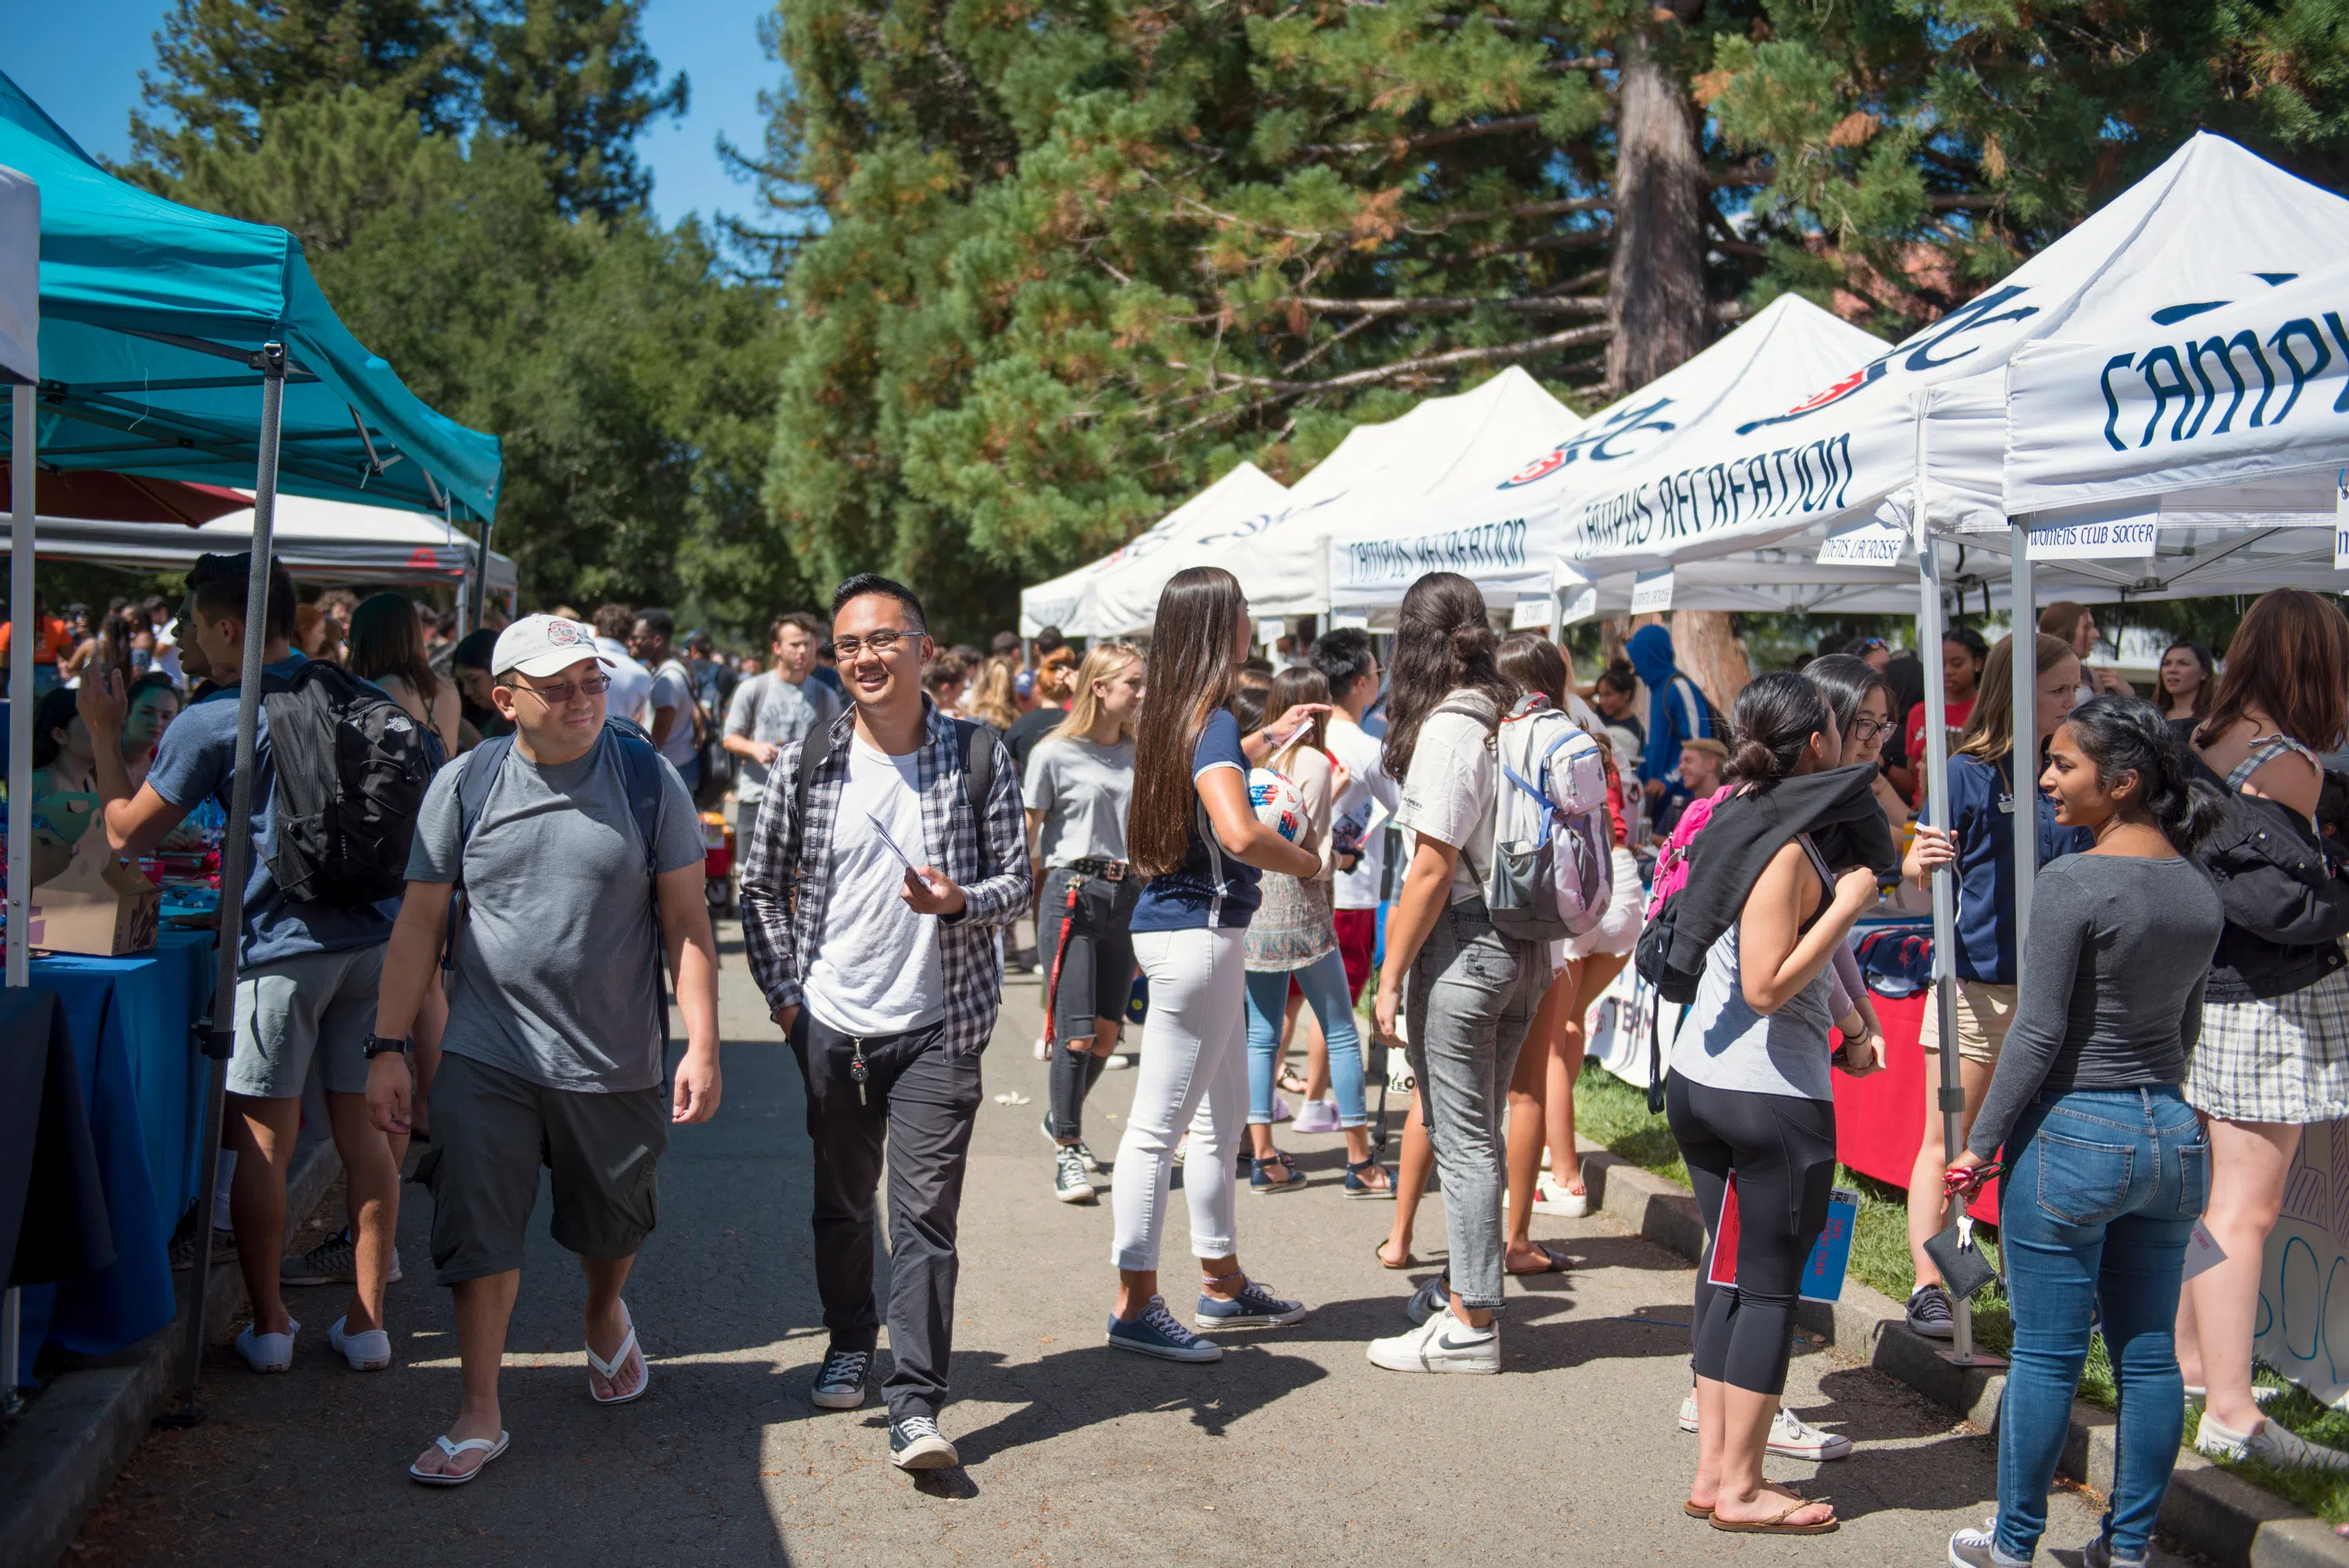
(1293, 1450)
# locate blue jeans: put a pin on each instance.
(2102, 1193)
(1326, 992)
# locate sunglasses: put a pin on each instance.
(560, 692)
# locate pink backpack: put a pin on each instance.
(1672, 864)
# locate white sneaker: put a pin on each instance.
(1441, 1344)
(367, 1352)
(2260, 1393)
(1118, 1062)
(2271, 1444)
(1791, 1437)
(1551, 1198)
(1977, 1548)
(267, 1351)
(1688, 1412)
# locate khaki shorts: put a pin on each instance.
(1985, 1011)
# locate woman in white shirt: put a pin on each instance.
(1473, 992)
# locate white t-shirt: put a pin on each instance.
(632, 684)
(1367, 782)
(1449, 794)
(877, 968)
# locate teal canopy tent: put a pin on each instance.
(185, 345)
(150, 313)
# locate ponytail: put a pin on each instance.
(1776, 715)
(2128, 734)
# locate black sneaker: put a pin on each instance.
(915, 1444)
(1930, 1314)
(840, 1381)
(1070, 1184)
(184, 1250)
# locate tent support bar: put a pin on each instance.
(21, 475)
(236, 856)
(2023, 606)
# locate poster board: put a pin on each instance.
(2303, 1327)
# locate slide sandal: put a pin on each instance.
(1776, 1524)
(487, 1450)
(1555, 1262)
(610, 1370)
(1409, 1262)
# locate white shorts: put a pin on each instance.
(1618, 930)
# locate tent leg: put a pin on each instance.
(236, 856)
(2025, 611)
(20, 785)
(1952, 1096)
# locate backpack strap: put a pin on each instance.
(975, 742)
(2261, 755)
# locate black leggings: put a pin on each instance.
(1783, 1148)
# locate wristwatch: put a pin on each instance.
(378, 1045)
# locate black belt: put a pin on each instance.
(1108, 871)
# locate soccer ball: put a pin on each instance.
(1277, 804)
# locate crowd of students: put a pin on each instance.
(2177, 1015)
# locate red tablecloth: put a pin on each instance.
(1880, 1118)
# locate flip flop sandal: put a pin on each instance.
(486, 1449)
(610, 1370)
(1557, 1262)
(1291, 1081)
(1409, 1262)
(1693, 1512)
(1776, 1524)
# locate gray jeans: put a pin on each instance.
(1471, 998)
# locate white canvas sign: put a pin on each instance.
(2104, 539)
(1651, 593)
(1871, 542)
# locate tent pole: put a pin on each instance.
(482, 579)
(2023, 606)
(26, 641)
(236, 856)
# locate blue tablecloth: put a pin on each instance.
(133, 1021)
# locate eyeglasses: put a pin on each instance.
(880, 640)
(558, 694)
(1866, 729)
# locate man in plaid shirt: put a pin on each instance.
(871, 927)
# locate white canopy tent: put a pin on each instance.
(1915, 419)
(1281, 555)
(1247, 492)
(1501, 523)
(321, 540)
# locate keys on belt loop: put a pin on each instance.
(857, 1071)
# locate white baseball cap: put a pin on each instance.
(542, 646)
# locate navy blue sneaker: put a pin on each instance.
(1156, 1332)
(1254, 1307)
(916, 1444)
(1430, 1299)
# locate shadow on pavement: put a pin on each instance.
(1078, 1389)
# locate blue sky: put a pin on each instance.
(80, 60)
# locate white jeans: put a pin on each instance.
(1194, 1071)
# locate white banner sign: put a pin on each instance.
(1343, 621)
(1270, 629)
(2341, 522)
(2107, 539)
(1581, 603)
(1651, 593)
(1531, 615)
(1872, 542)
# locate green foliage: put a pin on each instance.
(503, 264)
(1922, 148)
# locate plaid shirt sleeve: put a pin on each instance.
(770, 918)
(1000, 899)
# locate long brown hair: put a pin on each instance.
(1533, 662)
(1442, 643)
(386, 640)
(1102, 661)
(1292, 686)
(2289, 659)
(1990, 728)
(1200, 614)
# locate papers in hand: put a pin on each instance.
(881, 831)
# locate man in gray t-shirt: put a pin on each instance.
(771, 711)
(582, 872)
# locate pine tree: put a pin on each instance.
(574, 78)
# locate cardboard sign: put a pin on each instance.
(1823, 1271)
(96, 905)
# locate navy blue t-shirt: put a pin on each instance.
(197, 760)
(1981, 820)
(1187, 897)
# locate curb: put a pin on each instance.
(65, 1454)
(2212, 1511)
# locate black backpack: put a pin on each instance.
(352, 769)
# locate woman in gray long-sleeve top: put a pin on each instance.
(2107, 1169)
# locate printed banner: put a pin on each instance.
(2106, 539)
(2303, 1317)
(1871, 542)
(1651, 593)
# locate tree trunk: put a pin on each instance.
(1655, 289)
